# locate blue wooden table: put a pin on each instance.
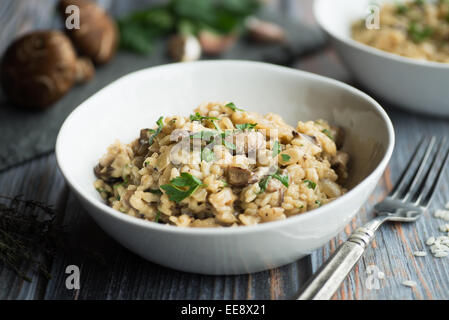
(124, 275)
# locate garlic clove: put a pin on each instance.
(184, 48)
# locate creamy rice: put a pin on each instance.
(414, 29)
(223, 167)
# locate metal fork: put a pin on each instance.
(405, 203)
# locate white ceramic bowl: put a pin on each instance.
(137, 100)
(416, 85)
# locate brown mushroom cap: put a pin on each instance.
(39, 68)
(97, 36)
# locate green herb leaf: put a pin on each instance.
(207, 155)
(318, 202)
(276, 148)
(263, 184)
(420, 33)
(157, 191)
(198, 117)
(283, 179)
(246, 126)
(310, 184)
(285, 157)
(233, 107)
(158, 215)
(160, 123)
(328, 133)
(182, 187)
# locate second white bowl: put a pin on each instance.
(416, 85)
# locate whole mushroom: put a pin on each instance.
(97, 36)
(40, 67)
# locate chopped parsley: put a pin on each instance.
(285, 157)
(207, 155)
(160, 125)
(263, 184)
(182, 187)
(157, 191)
(246, 126)
(328, 133)
(318, 202)
(310, 184)
(276, 148)
(198, 117)
(233, 107)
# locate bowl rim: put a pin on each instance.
(105, 209)
(368, 49)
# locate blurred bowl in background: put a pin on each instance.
(416, 85)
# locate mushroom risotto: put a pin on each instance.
(415, 29)
(223, 167)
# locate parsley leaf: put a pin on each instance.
(310, 184)
(263, 184)
(276, 148)
(420, 33)
(246, 126)
(233, 107)
(160, 124)
(198, 117)
(157, 191)
(318, 202)
(182, 187)
(328, 133)
(285, 157)
(401, 8)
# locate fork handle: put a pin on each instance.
(329, 277)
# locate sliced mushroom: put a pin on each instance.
(104, 173)
(311, 139)
(239, 177)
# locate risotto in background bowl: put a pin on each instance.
(304, 208)
(404, 62)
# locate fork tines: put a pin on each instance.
(413, 185)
